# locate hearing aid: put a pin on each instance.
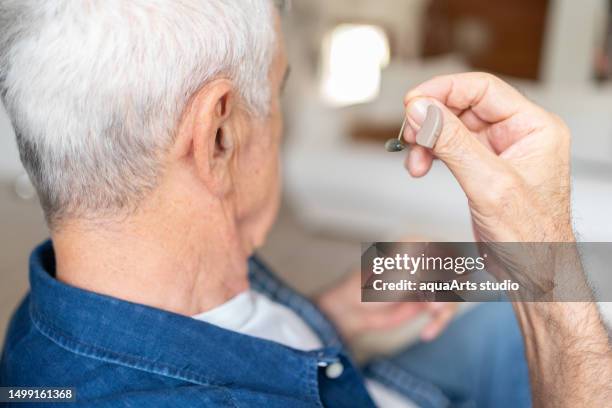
(431, 129)
(427, 136)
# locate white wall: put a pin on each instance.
(575, 29)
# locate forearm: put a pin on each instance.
(568, 352)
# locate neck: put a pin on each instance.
(184, 264)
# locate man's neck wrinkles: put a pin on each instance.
(166, 266)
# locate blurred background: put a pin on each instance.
(352, 61)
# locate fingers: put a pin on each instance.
(472, 163)
(392, 315)
(418, 161)
(485, 105)
(442, 314)
(395, 315)
(491, 99)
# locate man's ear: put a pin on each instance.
(206, 136)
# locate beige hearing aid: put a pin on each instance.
(431, 128)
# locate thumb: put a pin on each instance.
(472, 164)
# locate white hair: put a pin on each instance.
(95, 88)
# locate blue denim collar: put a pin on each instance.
(173, 345)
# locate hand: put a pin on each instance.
(510, 157)
(342, 304)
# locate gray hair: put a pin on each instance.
(95, 88)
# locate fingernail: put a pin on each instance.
(417, 110)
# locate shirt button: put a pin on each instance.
(334, 370)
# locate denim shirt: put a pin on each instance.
(121, 354)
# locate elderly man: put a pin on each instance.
(151, 131)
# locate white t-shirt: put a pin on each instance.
(256, 315)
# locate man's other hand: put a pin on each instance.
(342, 304)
